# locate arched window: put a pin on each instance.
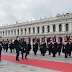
(60, 27)
(33, 30)
(38, 29)
(48, 28)
(25, 30)
(29, 30)
(53, 28)
(18, 31)
(66, 27)
(43, 29)
(21, 31)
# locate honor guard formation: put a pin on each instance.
(52, 46)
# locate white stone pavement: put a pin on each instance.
(6, 66)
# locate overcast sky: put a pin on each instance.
(21, 10)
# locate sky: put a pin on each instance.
(23, 10)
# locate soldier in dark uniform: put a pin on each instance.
(50, 45)
(6, 46)
(54, 48)
(28, 45)
(24, 49)
(66, 47)
(11, 46)
(21, 45)
(35, 47)
(1, 46)
(70, 42)
(17, 47)
(59, 46)
(43, 47)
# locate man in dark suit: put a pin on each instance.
(1, 45)
(17, 47)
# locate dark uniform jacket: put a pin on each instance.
(11, 45)
(17, 45)
(59, 46)
(1, 45)
(35, 46)
(66, 47)
(28, 46)
(54, 48)
(43, 47)
(50, 45)
(24, 47)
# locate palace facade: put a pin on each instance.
(58, 26)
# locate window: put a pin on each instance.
(48, 28)
(33, 30)
(25, 30)
(53, 28)
(38, 29)
(66, 27)
(29, 30)
(60, 27)
(43, 29)
(11, 32)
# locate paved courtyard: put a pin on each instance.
(34, 63)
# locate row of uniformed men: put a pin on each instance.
(53, 47)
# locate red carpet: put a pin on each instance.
(58, 66)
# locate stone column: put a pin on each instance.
(51, 28)
(23, 31)
(40, 29)
(35, 29)
(57, 28)
(31, 30)
(70, 27)
(45, 27)
(7, 32)
(2, 33)
(10, 32)
(27, 30)
(19, 31)
(63, 28)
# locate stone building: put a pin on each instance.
(60, 26)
